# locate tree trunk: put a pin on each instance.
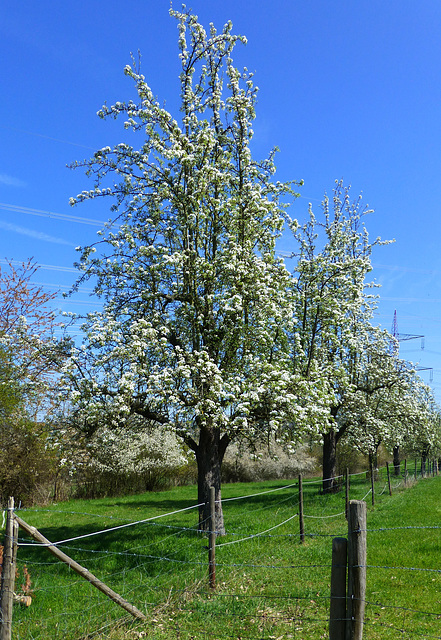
(209, 455)
(397, 460)
(373, 460)
(329, 461)
(373, 464)
(423, 464)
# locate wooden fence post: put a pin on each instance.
(8, 574)
(388, 478)
(337, 612)
(372, 484)
(301, 519)
(212, 540)
(356, 570)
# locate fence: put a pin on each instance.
(269, 584)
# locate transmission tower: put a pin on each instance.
(401, 337)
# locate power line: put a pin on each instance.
(50, 214)
(42, 135)
(48, 267)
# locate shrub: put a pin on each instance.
(28, 469)
(272, 461)
(129, 460)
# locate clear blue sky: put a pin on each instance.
(348, 89)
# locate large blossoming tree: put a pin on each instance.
(192, 335)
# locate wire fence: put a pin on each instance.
(268, 584)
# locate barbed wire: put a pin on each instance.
(401, 608)
(412, 633)
(419, 527)
(111, 529)
(373, 566)
(334, 515)
(255, 535)
(144, 566)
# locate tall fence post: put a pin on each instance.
(8, 574)
(356, 570)
(372, 484)
(388, 478)
(301, 519)
(337, 612)
(212, 540)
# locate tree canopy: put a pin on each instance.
(27, 352)
(203, 330)
(193, 331)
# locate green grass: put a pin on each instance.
(268, 586)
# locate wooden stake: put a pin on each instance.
(84, 573)
(8, 574)
(388, 478)
(212, 540)
(356, 570)
(301, 519)
(337, 612)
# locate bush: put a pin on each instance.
(349, 458)
(28, 471)
(270, 462)
(94, 483)
(129, 460)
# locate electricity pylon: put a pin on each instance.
(401, 337)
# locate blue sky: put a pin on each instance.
(348, 89)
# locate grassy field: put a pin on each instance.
(268, 586)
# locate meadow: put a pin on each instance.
(269, 585)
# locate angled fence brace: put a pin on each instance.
(84, 573)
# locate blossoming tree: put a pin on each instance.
(382, 405)
(28, 354)
(192, 335)
(334, 343)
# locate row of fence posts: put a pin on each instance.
(348, 573)
(348, 559)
